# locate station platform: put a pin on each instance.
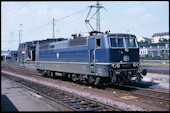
(16, 98)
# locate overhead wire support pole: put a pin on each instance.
(19, 54)
(53, 28)
(20, 33)
(98, 17)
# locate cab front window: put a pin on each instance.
(130, 42)
(116, 42)
(123, 42)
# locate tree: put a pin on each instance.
(163, 40)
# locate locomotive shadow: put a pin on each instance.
(100, 86)
(144, 84)
(141, 84)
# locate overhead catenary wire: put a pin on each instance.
(73, 14)
(68, 16)
(13, 14)
(110, 5)
(40, 27)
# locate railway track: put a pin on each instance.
(20, 69)
(70, 100)
(150, 93)
(137, 91)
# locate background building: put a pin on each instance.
(26, 51)
(144, 40)
(157, 37)
(154, 50)
(9, 55)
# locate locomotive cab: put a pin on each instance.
(115, 56)
(124, 56)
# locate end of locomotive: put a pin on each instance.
(140, 75)
(143, 72)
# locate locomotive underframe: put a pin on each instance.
(94, 74)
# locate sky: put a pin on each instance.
(141, 18)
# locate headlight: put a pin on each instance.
(134, 64)
(114, 65)
(137, 64)
(118, 65)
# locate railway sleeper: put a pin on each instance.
(92, 109)
(65, 99)
(86, 106)
(59, 97)
(75, 104)
(72, 101)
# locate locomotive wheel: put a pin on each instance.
(52, 74)
(48, 74)
(84, 79)
(137, 79)
(44, 74)
(91, 79)
(113, 79)
(77, 77)
(118, 81)
(124, 79)
(97, 81)
(74, 77)
(128, 79)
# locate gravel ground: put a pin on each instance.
(158, 81)
(86, 94)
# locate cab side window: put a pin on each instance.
(98, 43)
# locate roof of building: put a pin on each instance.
(147, 39)
(48, 40)
(160, 34)
(5, 52)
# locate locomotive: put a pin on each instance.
(100, 58)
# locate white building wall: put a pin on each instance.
(156, 38)
(141, 39)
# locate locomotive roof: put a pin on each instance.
(62, 41)
(121, 34)
(114, 34)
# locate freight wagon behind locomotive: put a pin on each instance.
(95, 59)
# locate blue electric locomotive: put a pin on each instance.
(96, 59)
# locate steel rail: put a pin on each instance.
(87, 100)
(148, 94)
(43, 95)
(156, 97)
(144, 89)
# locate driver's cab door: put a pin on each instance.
(94, 46)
